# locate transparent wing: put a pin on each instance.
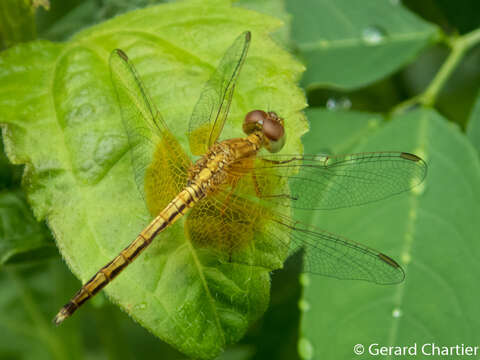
(243, 232)
(330, 182)
(335, 256)
(159, 162)
(211, 110)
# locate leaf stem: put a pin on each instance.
(459, 45)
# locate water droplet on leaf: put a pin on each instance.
(304, 280)
(373, 35)
(305, 349)
(342, 103)
(396, 313)
(419, 189)
(303, 305)
(406, 258)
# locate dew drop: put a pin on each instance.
(396, 313)
(342, 103)
(304, 280)
(406, 258)
(305, 349)
(322, 157)
(373, 35)
(303, 305)
(418, 189)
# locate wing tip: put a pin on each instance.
(389, 261)
(122, 54)
(411, 157)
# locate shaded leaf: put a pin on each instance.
(432, 232)
(30, 295)
(10, 175)
(473, 125)
(17, 22)
(22, 238)
(69, 19)
(458, 16)
(348, 46)
(275, 8)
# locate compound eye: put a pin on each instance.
(254, 120)
(272, 129)
(274, 133)
(257, 116)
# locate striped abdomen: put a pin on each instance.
(174, 210)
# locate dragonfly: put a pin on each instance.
(239, 196)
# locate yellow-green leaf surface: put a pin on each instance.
(64, 124)
(432, 232)
(348, 44)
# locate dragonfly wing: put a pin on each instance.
(335, 256)
(227, 225)
(245, 232)
(330, 182)
(152, 146)
(211, 110)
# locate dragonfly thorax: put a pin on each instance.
(216, 167)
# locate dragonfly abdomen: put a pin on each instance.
(172, 212)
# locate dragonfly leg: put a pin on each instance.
(278, 162)
(229, 195)
(262, 196)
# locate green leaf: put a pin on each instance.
(10, 175)
(473, 125)
(351, 44)
(432, 232)
(276, 8)
(22, 238)
(26, 330)
(66, 19)
(340, 131)
(63, 122)
(31, 293)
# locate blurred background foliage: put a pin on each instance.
(33, 277)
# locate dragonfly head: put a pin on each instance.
(270, 125)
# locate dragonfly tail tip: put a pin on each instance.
(60, 317)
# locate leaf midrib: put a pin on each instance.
(355, 42)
